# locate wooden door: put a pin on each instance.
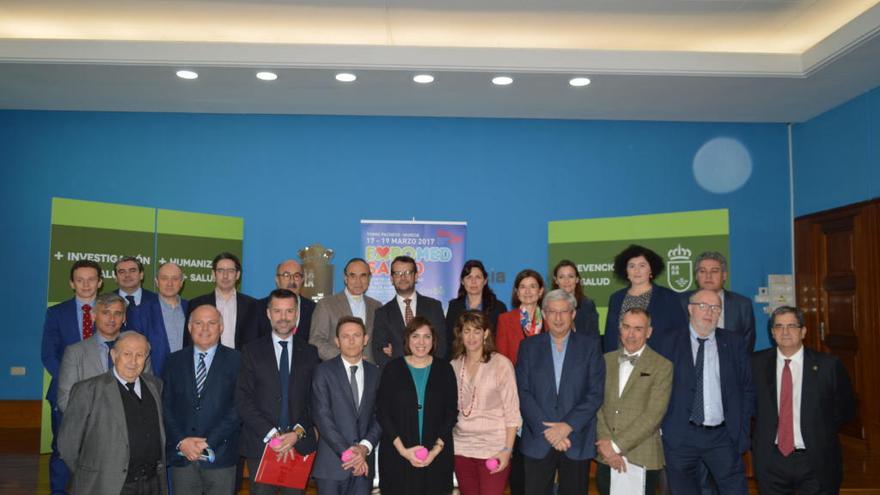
(837, 265)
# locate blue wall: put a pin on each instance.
(303, 179)
(837, 156)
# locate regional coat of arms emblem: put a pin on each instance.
(679, 269)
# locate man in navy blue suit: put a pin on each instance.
(142, 304)
(561, 380)
(201, 421)
(170, 314)
(344, 403)
(737, 314)
(711, 404)
(67, 323)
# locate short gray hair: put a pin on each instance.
(711, 255)
(108, 298)
(129, 334)
(559, 295)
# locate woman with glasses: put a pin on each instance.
(639, 267)
(567, 278)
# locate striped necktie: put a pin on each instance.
(201, 374)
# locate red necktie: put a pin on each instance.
(408, 314)
(785, 431)
(87, 321)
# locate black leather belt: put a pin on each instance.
(707, 427)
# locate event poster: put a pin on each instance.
(105, 232)
(678, 238)
(437, 247)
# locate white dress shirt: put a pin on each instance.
(277, 347)
(228, 309)
(797, 381)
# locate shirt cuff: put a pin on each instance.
(615, 447)
(269, 435)
(368, 445)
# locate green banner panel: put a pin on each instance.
(103, 215)
(191, 240)
(678, 238)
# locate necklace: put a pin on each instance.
(461, 380)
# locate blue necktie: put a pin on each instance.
(698, 413)
(201, 374)
(110, 357)
(284, 375)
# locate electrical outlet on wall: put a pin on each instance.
(17, 371)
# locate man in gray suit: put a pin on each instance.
(91, 357)
(737, 314)
(344, 399)
(352, 301)
(112, 437)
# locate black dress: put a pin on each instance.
(458, 306)
(398, 415)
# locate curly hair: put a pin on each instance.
(634, 251)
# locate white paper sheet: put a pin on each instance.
(630, 482)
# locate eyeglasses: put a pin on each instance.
(295, 276)
(790, 327)
(404, 273)
(715, 308)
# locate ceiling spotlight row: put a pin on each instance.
(348, 77)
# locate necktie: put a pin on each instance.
(284, 375)
(408, 314)
(785, 431)
(698, 413)
(87, 321)
(354, 387)
(130, 386)
(624, 358)
(109, 357)
(201, 374)
(130, 300)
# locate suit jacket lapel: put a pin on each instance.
(93, 353)
(809, 402)
(613, 377)
(344, 381)
(71, 321)
(770, 378)
(343, 307)
(239, 316)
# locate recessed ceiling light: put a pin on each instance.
(579, 82)
(345, 77)
(187, 74)
(267, 76)
(502, 80)
(423, 78)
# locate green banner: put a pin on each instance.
(192, 240)
(104, 233)
(678, 238)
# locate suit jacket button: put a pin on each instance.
(617, 411)
(198, 408)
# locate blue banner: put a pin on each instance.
(437, 247)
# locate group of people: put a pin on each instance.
(150, 391)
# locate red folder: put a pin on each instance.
(291, 473)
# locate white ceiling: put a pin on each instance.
(692, 60)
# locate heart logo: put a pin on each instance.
(383, 251)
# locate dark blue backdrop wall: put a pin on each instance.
(297, 180)
(837, 156)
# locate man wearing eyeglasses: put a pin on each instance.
(712, 401)
(352, 301)
(803, 398)
(737, 313)
(240, 312)
(289, 275)
(392, 318)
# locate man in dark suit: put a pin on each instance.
(289, 275)
(344, 398)
(170, 314)
(803, 398)
(737, 313)
(141, 308)
(112, 437)
(352, 301)
(561, 379)
(199, 403)
(712, 400)
(273, 391)
(391, 319)
(240, 312)
(67, 323)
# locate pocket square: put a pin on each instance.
(644, 374)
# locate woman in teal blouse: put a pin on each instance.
(417, 409)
